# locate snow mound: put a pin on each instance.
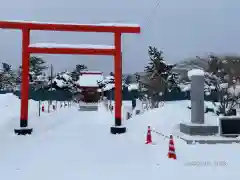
(164, 120)
(62, 80)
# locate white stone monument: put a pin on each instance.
(197, 125)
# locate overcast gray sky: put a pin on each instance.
(181, 28)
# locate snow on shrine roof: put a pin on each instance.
(91, 72)
(89, 80)
(55, 45)
(68, 23)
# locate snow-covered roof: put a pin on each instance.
(74, 46)
(195, 72)
(68, 23)
(90, 72)
(89, 80)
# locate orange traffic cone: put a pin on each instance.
(149, 136)
(171, 150)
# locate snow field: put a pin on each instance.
(70, 144)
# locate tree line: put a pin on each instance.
(10, 78)
(222, 77)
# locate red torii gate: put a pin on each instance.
(26, 27)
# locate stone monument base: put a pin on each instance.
(216, 139)
(198, 129)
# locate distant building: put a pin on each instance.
(88, 87)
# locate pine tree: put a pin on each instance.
(80, 67)
(75, 76)
(36, 68)
(75, 73)
(127, 80)
(173, 82)
(157, 65)
(111, 74)
(6, 67)
(7, 77)
(158, 69)
(160, 77)
(137, 76)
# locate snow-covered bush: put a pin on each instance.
(223, 82)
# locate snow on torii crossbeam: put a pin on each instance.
(51, 48)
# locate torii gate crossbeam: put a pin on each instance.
(27, 49)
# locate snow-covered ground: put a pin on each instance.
(10, 113)
(70, 144)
